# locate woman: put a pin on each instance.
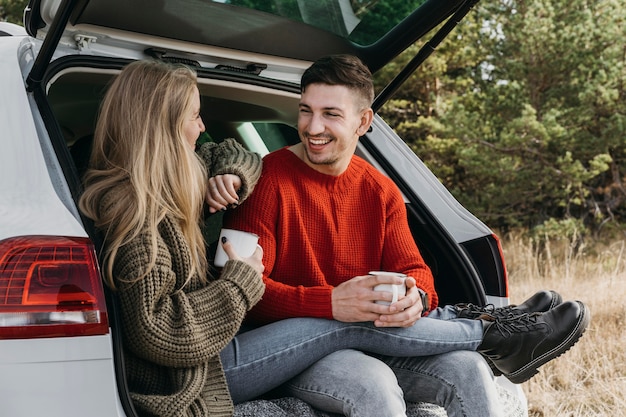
(145, 190)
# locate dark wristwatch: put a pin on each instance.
(425, 302)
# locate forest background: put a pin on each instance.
(521, 114)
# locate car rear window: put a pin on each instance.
(361, 21)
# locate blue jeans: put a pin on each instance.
(353, 383)
(262, 359)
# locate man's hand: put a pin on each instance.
(222, 191)
(406, 311)
(353, 300)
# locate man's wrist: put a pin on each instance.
(425, 301)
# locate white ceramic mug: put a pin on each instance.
(397, 290)
(244, 243)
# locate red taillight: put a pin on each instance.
(50, 287)
(505, 273)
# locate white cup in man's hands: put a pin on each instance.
(244, 243)
(397, 290)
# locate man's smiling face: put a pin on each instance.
(330, 123)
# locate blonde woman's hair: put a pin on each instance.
(140, 153)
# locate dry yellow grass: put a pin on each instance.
(589, 379)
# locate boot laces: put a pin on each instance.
(515, 323)
(473, 311)
(470, 310)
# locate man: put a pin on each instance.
(325, 218)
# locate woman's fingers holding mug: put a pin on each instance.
(258, 251)
(229, 248)
(256, 259)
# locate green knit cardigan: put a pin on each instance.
(174, 330)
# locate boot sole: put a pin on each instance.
(531, 369)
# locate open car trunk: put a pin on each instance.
(263, 119)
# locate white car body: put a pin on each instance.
(57, 376)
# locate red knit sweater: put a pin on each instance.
(326, 229)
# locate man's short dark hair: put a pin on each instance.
(346, 70)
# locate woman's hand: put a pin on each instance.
(255, 260)
(222, 192)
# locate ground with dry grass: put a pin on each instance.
(590, 379)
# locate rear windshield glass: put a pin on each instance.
(296, 29)
(361, 21)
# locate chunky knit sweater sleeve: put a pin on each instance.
(174, 322)
(229, 157)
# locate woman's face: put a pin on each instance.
(193, 125)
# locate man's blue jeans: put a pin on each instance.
(261, 359)
(353, 383)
